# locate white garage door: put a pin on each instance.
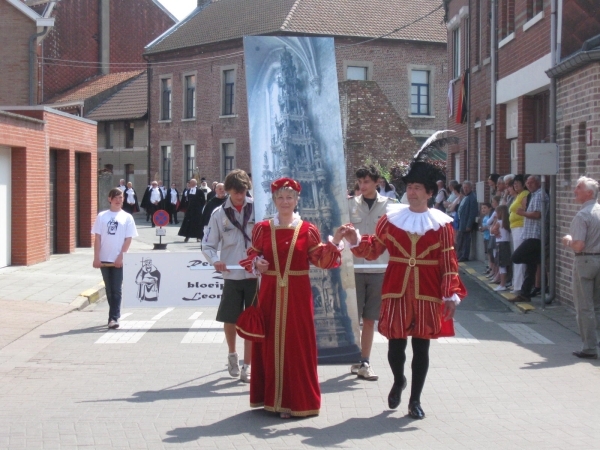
(5, 207)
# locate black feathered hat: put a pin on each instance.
(421, 170)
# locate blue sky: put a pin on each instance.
(179, 8)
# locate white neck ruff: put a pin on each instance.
(295, 219)
(402, 217)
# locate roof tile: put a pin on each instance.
(93, 86)
(224, 20)
(131, 102)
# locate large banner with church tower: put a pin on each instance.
(295, 131)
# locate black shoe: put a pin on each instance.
(394, 395)
(585, 355)
(415, 411)
(535, 292)
(186, 239)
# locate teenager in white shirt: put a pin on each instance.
(113, 231)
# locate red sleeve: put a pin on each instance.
(325, 256)
(451, 282)
(372, 246)
(256, 248)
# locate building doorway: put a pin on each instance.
(5, 206)
(52, 201)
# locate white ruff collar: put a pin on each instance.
(295, 220)
(402, 217)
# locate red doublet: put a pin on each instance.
(284, 366)
(422, 271)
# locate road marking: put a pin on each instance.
(195, 315)
(129, 332)
(525, 334)
(462, 336)
(207, 332)
(123, 316)
(484, 317)
(162, 314)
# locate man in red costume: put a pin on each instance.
(421, 287)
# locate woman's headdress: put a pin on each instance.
(285, 182)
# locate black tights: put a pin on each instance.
(420, 363)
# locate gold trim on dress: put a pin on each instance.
(281, 303)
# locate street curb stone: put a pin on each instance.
(89, 296)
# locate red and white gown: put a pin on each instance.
(421, 274)
(284, 366)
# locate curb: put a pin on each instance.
(89, 296)
(474, 275)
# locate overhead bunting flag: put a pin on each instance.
(461, 109)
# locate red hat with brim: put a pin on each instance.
(285, 182)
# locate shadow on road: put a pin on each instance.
(263, 425)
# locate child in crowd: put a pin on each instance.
(502, 232)
(494, 274)
(486, 213)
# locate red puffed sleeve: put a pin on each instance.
(451, 282)
(257, 245)
(372, 246)
(325, 256)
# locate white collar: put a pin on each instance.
(402, 217)
(295, 219)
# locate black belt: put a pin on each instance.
(587, 254)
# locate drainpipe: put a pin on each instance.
(32, 56)
(493, 88)
(468, 71)
(552, 106)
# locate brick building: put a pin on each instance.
(52, 46)
(123, 133)
(193, 123)
(47, 183)
(577, 120)
(513, 108)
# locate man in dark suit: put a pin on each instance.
(172, 200)
(156, 201)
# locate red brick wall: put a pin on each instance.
(527, 46)
(133, 25)
(390, 71)
(367, 135)
(15, 30)
(578, 106)
(76, 37)
(31, 143)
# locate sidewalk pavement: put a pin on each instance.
(33, 295)
(559, 313)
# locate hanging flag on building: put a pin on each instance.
(461, 109)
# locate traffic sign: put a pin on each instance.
(161, 218)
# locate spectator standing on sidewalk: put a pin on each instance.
(441, 196)
(516, 227)
(530, 251)
(113, 231)
(584, 240)
(502, 232)
(365, 211)
(229, 230)
(467, 212)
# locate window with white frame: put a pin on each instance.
(514, 156)
(189, 97)
(456, 158)
(357, 73)
(190, 161)
(228, 92)
(166, 164)
(228, 154)
(456, 52)
(419, 93)
(166, 87)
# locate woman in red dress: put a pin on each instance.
(284, 366)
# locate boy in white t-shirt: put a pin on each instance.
(113, 231)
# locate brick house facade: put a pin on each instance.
(58, 215)
(179, 142)
(522, 94)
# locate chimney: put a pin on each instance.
(104, 47)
